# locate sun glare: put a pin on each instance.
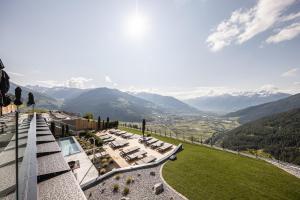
(136, 26)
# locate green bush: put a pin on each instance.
(117, 177)
(115, 188)
(129, 180)
(126, 191)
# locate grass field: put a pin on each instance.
(204, 173)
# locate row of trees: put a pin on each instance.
(4, 88)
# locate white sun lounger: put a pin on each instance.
(118, 144)
(165, 147)
(145, 139)
(146, 160)
(151, 141)
(129, 151)
(137, 155)
(157, 144)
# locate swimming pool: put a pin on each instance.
(68, 146)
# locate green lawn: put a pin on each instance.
(204, 173)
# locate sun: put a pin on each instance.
(137, 26)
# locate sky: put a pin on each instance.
(183, 48)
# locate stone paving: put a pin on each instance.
(140, 189)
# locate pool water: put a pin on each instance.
(68, 146)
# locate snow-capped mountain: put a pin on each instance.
(235, 101)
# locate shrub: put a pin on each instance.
(104, 160)
(115, 188)
(117, 177)
(110, 161)
(129, 180)
(102, 171)
(126, 191)
(104, 165)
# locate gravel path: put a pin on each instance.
(140, 189)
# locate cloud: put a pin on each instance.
(290, 17)
(15, 74)
(74, 82)
(77, 82)
(296, 83)
(245, 24)
(290, 73)
(287, 33)
(109, 80)
(269, 87)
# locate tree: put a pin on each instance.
(18, 94)
(88, 116)
(4, 88)
(67, 130)
(52, 128)
(143, 127)
(103, 125)
(107, 123)
(99, 123)
(63, 130)
(31, 101)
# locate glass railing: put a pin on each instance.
(14, 152)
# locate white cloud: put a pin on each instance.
(15, 74)
(296, 83)
(290, 73)
(108, 79)
(74, 82)
(245, 24)
(287, 33)
(269, 87)
(290, 17)
(77, 82)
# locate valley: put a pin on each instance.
(199, 127)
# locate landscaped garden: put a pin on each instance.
(102, 161)
(204, 173)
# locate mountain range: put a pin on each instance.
(267, 109)
(226, 103)
(168, 103)
(113, 103)
(134, 106)
(42, 100)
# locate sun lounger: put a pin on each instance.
(129, 151)
(120, 133)
(145, 139)
(157, 144)
(137, 155)
(105, 137)
(109, 140)
(146, 160)
(151, 141)
(127, 135)
(118, 144)
(165, 147)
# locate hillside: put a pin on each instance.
(41, 100)
(229, 103)
(278, 135)
(112, 103)
(256, 112)
(169, 104)
(204, 173)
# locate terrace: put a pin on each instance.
(129, 149)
